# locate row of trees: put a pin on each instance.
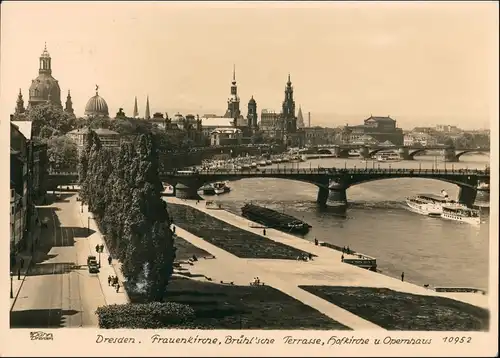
(123, 191)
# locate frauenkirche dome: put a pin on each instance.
(96, 106)
(45, 88)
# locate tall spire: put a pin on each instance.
(147, 116)
(69, 104)
(234, 73)
(136, 111)
(19, 103)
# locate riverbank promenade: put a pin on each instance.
(326, 269)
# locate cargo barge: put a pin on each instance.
(274, 220)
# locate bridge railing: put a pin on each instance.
(310, 171)
(319, 170)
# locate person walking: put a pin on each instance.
(315, 241)
(117, 287)
(342, 258)
(264, 232)
(109, 280)
(97, 248)
(21, 262)
(101, 248)
(109, 259)
(402, 277)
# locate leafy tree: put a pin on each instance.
(48, 115)
(62, 153)
(92, 144)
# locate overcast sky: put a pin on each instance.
(421, 63)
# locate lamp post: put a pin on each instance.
(88, 225)
(11, 286)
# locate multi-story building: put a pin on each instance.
(381, 129)
(419, 139)
(226, 136)
(320, 135)
(446, 128)
(108, 138)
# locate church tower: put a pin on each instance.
(147, 114)
(252, 114)
(69, 105)
(288, 109)
(19, 104)
(136, 111)
(233, 103)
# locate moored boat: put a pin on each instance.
(388, 157)
(262, 163)
(221, 188)
(273, 219)
(429, 204)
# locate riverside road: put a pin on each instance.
(58, 290)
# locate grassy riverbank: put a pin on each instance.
(394, 310)
(186, 250)
(242, 307)
(241, 243)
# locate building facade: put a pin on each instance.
(108, 138)
(226, 136)
(381, 129)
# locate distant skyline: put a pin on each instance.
(421, 63)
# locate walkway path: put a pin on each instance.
(242, 272)
(326, 268)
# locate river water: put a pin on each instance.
(428, 250)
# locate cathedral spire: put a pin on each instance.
(45, 62)
(69, 104)
(136, 111)
(234, 73)
(19, 103)
(147, 116)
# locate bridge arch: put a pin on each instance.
(459, 153)
(326, 151)
(446, 180)
(375, 151)
(413, 153)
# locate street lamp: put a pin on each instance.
(11, 286)
(88, 225)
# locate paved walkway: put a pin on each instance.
(110, 294)
(242, 272)
(326, 268)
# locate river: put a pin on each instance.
(428, 250)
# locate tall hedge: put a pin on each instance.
(145, 315)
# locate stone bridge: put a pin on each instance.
(332, 183)
(405, 153)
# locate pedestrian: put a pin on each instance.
(342, 258)
(173, 227)
(310, 257)
(109, 259)
(116, 280)
(402, 277)
(117, 287)
(102, 247)
(21, 262)
(264, 232)
(109, 280)
(348, 250)
(97, 248)
(315, 241)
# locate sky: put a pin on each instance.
(420, 63)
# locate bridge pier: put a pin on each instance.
(182, 191)
(449, 155)
(364, 152)
(333, 197)
(404, 154)
(340, 153)
(467, 195)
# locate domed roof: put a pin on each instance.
(45, 88)
(96, 107)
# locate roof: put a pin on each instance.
(226, 130)
(381, 119)
(98, 131)
(217, 122)
(24, 127)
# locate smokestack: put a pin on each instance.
(308, 119)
